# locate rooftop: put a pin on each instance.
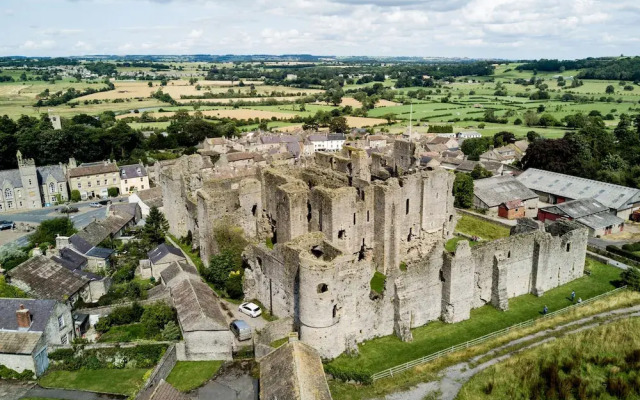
(19, 342)
(572, 187)
(133, 171)
(93, 169)
(40, 311)
(47, 279)
(162, 251)
(501, 189)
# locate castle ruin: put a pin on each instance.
(338, 219)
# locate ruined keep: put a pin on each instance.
(338, 219)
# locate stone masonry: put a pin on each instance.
(337, 220)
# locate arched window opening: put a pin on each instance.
(322, 288)
(335, 310)
(406, 211)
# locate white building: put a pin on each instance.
(133, 178)
(330, 142)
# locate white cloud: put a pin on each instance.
(38, 45)
(196, 33)
(83, 46)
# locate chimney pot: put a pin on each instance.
(24, 317)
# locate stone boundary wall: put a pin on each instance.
(272, 331)
(108, 345)
(484, 217)
(163, 369)
(106, 310)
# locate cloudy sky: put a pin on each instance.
(449, 28)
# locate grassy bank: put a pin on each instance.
(598, 363)
(474, 226)
(385, 352)
(188, 375)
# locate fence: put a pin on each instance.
(423, 360)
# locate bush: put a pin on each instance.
(631, 278)
(171, 331)
(156, 316)
(113, 191)
(624, 253)
(348, 374)
(141, 356)
(631, 247)
(75, 196)
(7, 373)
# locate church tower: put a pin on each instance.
(29, 196)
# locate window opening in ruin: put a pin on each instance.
(350, 181)
(322, 288)
(335, 310)
(259, 261)
(407, 207)
(509, 254)
(367, 215)
(409, 237)
(254, 209)
(568, 247)
(317, 251)
(354, 218)
(442, 276)
(362, 251)
(308, 212)
(342, 234)
(450, 217)
(320, 220)
(350, 168)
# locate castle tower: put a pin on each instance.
(29, 196)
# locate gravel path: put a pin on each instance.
(452, 378)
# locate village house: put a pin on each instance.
(30, 187)
(505, 196)
(555, 188)
(331, 142)
(93, 179)
(27, 328)
(45, 278)
(215, 145)
(588, 212)
(146, 199)
(376, 141)
(133, 178)
(448, 142)
(159, 259)
(468, 135)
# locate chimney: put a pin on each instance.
(24, 317)
(62, 242)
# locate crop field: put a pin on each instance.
(239, 113)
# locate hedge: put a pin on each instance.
(141, 356)
(624, 253)
(9, 374)
(349, 374)
(631, 246)
(613, 256)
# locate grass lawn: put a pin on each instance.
(188, 375)
(598, 363)
(279, 342)
(377, 282)
(382, 353)
(486, 230)
(450, 246)
(124, 333)
(115, 381)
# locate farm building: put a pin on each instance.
(27, 327)
(588, 212)
(505, 197)
(555, 188)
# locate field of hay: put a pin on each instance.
(361, 122)
(240, 113)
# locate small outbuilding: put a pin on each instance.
(589, 212)
(506, 197)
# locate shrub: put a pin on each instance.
(141, 356)
(113, 191)
(171, 331)
(349, 374)
(631, 277)
(624, 253)
(75, 196)
(8, 373)
(156, 316)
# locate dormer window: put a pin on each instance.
(139, 171)
(123, 172)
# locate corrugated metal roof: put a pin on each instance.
(501, 189)
(572, 187)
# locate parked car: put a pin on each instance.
(69, 210)
(250, 309)
(7, 225)
(95, 205)
(240, 329)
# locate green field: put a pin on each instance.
(116, 381)
(188, 375)
(385, 352)
(474, 226)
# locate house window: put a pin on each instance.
(114, 180)
(141, 179)
(29, 182)
(105, 182)
(79, 185)
(60, 188)
(142, 187)
(63, 339)
(125, 181)
(0, 207)
(8, 194)
(52, 188)
(20, 204)
(89, 184)
(61, 321)
(98, 182)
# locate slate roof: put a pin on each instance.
(162, 251)
(317, 138)
(377, 137)
(19, 342)
(149, 194)
(99, 252)
(92, 169)
(336, 136)
(97, 231)
(294, 372)
(131, 171)
(501, 189)
(48, 279)
(572, 187)
(12, 176)
(239, 156)
(71, 259)
(80, 244)
(125, 210)
(279, 139)
(56, 171)
(40, 311)
(588, 212)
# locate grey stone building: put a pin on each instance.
(28, 327)
(495, 194)
(30, 187)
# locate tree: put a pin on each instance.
(610, 89)
(75, 196)
(389, 117)
(503, 138)
(156, 316)
(531, 118)
(472, 148)
(156, 226)
(463, 190)
(532, 136)
(170, 331)
(480, 172)
(113, 191)
(150, 84)
(631, 277)
(339, 125)
(49, 229)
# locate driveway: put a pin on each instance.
(13, 390)
(255, 323)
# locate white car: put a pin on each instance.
(250, 309)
